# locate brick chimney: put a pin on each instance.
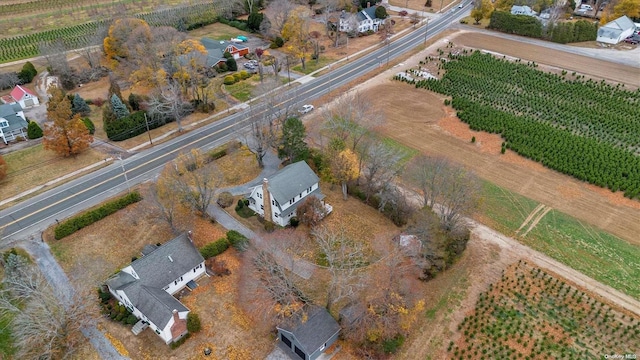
(266, 199)
(175, 316)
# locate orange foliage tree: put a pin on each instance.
(114, 44)
(65, 133)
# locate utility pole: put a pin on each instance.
(148, 131)
(126, 179)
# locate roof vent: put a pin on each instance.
(170, 259)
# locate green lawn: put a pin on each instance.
(506, 210)
(408, 152)
(312, 65)
(217, 31)
(598, 254)
(241, 90)
(6, 341)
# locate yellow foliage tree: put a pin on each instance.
(482, 11)
(344, 167)
(630, 8)
(65, 133)
(114, 44)
(189, 63)
(296, 33)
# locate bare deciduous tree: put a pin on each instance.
(9, 80)
(278, 13)
(166, 195)
(46, 322)
(352, 118)
(450, 186)
(169, 103)
(343, 257)
(382, 164)
(195, 179)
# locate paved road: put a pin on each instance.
(35, 214)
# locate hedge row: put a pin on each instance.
(516, 24)
(130, 126)
(215, 248)
(561, 32)
(237, 240)
(74, 224)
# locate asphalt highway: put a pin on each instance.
(35, 214)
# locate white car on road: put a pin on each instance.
(306, 108)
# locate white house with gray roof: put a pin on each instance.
(279, 196)
(365, 20)
(147, 285)
(12, 122)
(616, 30)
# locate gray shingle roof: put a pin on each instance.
(15, 122)
(291, 180)
(9, 109)
(157, 269)
(319, 327)
(293, 208)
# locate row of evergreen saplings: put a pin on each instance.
(560, 32)
(603, 156)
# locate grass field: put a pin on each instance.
(595, 253)
(535, 315)
(241, 90)
(35, 166)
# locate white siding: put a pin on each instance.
(182, 281)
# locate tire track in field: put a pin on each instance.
(537, 219)
(530, 216)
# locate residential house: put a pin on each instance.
(522, 10)
(278, 197)
(21, 95)
(13, 123)
(616, 30)
(308, 333)
(365, 19)
(147, 285)
(217, 48)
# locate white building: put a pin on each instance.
(522, 10)
(146, 287)
(616, 31)
(365, 20)
(278, 197)
(12, 122)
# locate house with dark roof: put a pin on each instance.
(217, 48)
(308, 333)
(365, 20)
(13, 123)
(279, 196)
(615, 31)
(21, 95)
(147, 285)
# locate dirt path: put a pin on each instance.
(512, 246)
(531, 215)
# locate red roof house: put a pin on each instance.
(23, 96)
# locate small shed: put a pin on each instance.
(25, 97)
(308, 333)
(616, 30)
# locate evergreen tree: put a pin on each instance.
(254, 21)
(232, 65)
(292, 145)
(34, 131)
(27, 73)
(79, 106)
(119, 108)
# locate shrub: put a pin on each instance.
(225, 199)
(135, 101)
(294, 222)
(215, 248)
(229, 80)
(175, 344)
(27, 73)
(193, 322)
(231, 64)
(240, 204)
(278, 42)
(244, 74)
(269, 226)
(34, 131)
(98, 102)
(222, 68)
(76, 223)
(237, 77)
(381, 12)
(104, 296)
(237, 240)
(131, 319)
(390, 346)
(89, 124)
(473, 139)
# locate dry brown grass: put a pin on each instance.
(35, 166)
(238, 167)
(418, 5)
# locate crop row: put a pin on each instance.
(81, 35)
(586, 129)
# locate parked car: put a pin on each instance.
(586, 7)
(633, 39)
(242, 37)
(306, 108)
(253, 62)
(248, 65)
